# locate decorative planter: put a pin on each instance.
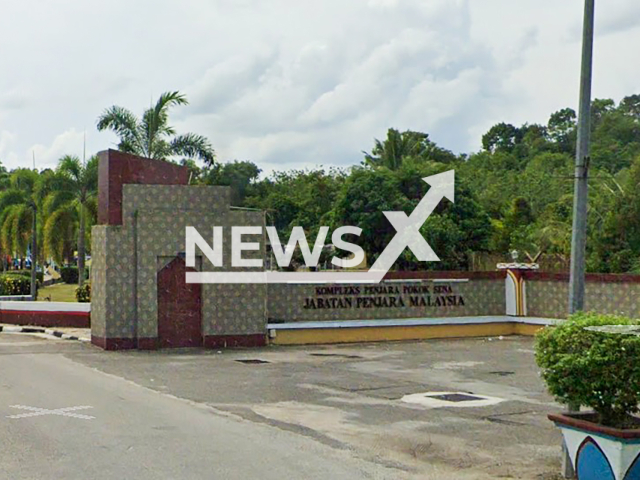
(598, 452)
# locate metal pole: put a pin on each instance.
(579, 232)
(34, 256)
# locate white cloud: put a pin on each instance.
(13, 100)
(325, 101)
(7, 140)
(289, 83)
(68, 143)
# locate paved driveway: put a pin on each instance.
(313, 412)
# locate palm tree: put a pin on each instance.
(19, 209)
(391, 152)
(398, 146)
(4, 178)
(151, 136)
(70, 207)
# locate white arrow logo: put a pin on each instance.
(408, 227)
(408, 235)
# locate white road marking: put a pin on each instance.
(26, 343)
(65, 412)
(426, 399)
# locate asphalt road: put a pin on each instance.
(131, 431)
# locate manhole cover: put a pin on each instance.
(450, 399)
(340, 355)
(502, 373)
(252, 361)
(455, 397)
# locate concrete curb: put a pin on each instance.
(45, 331)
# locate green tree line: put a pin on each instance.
(516, 193)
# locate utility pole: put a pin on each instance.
(34, 256)
(579, 231)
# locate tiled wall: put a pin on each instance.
(480, 297)
(127, 259)
(117, 169)
(98, 280)
(112, 274)
(547, 295)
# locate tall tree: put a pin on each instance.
(4, 178)
(19, 211)
(630, 106)
(237, 175)
(502, 137)
(398, 146)
(70, 204)
(562, 129)
(453, 229)
(296, 198)
(151, 135)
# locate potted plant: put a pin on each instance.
(586, 362)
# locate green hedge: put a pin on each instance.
(26, 273)
(70, 274)
(83, 293)
(15, 285)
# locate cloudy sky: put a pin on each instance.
(295, 83)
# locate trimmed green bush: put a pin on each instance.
(592, 369)
(70, 274)
(15, 285)
(83, 293)
(26, 273)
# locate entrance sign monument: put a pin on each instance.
(157, 282)
(176, 265)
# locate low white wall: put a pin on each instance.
(45, 306)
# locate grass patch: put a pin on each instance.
(60, 292)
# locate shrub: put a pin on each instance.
(26, 273)
(83, 293)
(593, 369)
(70, 274)
(15, 285)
